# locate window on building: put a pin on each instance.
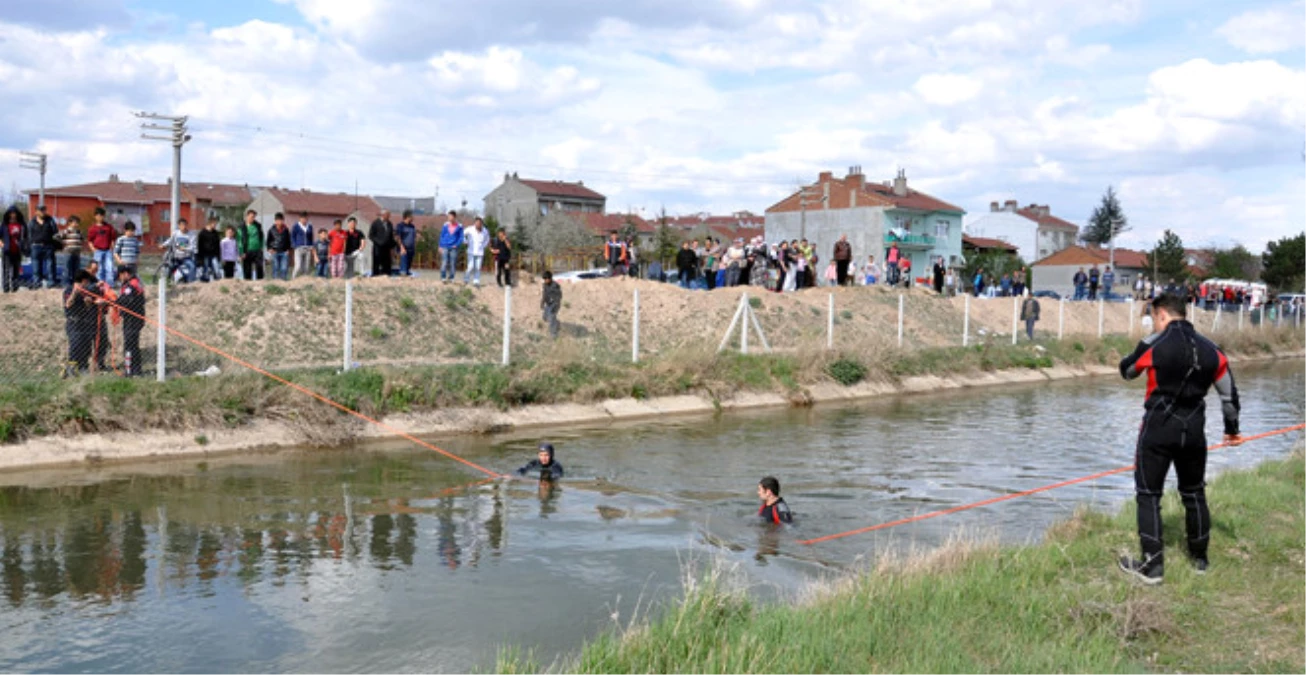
(166, 215)
(941, 228)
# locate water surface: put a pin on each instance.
(333, 561)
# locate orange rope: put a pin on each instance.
(301, 389)
(1025, 493)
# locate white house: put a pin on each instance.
(1033, 230)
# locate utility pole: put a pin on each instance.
(176, 134)
(806, 195)
(35, 161)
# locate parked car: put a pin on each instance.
(581, 275)
(1047, 294)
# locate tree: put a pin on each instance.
(1168, 259)
(994, 262)
(558, 232)
(628, 230)
(1106, 218)
(666, 242)
(1233, 263)
(1283, 263)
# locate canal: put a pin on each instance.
(340, 560)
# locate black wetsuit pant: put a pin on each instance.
(131, 343)
(1172, 436)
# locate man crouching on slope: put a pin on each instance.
(1181, 368)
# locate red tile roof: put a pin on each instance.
(220, 194)
(1080, 255)
(984, 243)
(842, 190)
(337, 205)
(604, 223)
(914, 199)
(555, 188)
(1047, 220)
(118, 191)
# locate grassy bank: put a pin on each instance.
(1060, 606)
(567, 374)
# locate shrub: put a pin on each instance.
(846, 371)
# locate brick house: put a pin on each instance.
(1057, 271)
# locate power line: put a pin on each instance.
(440, 154)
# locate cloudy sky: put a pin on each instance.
(1194, 109)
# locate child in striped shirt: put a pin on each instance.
(127, 249)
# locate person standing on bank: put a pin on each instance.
(406, 241)
(250, 241)
(940, 271)
(382, 237)
(14, 242)
(502, 250)
(1029, 310)
(131, 298)
(843, 257)
(451, 238)
(1181, 367)
(551, 303)
(477, 238)
(302, 240)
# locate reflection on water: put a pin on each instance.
(351, 561)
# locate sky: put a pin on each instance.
(1194, 110)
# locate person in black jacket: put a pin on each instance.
(280, 246)
(382, 236)
(13, 246)
(774, 510)
(208, 251)
(81, 311)
(686, 263)
(131, 300)
(545, 464)
(1181, 368)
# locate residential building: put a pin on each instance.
(973, 245)
(526, 201)
(1033, 230)
(1057, 271)
(873, 215)
(740, 224)
(148, 205)
(322, 207)
(420, 206)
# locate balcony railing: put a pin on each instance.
(907, 240)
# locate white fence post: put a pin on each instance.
(1061, 319)
(161, 354)
(1240, 318)
(965, 323)
(900, 301)
(739, 312)
(829, 325)
(1131, 317)
(349, 324)
(1101, 317)
(507, 320)
(743, 330)
(1015, 318)
(634, 331)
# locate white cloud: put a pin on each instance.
(947, 88)
(1267, 31)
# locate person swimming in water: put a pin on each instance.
(774, 509)
(546, 465)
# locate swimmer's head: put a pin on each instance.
(768, 488)
(546, 453)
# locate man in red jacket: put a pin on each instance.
(101, 236)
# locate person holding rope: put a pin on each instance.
(131, 301)
(1181, 367)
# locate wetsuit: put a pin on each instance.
(552, 470)
(776, 513)
(1181, 368)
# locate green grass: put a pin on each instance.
(1059, 606)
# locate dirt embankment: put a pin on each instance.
(403, 321)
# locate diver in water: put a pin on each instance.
(546, 465)
(774, 509)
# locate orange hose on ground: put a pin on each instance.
(1025, 493)
(301, 389)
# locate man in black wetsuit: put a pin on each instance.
(774, 509)
(547, 467)
(1181, 367)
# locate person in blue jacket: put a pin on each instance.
(451, 237)
(406, 237)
